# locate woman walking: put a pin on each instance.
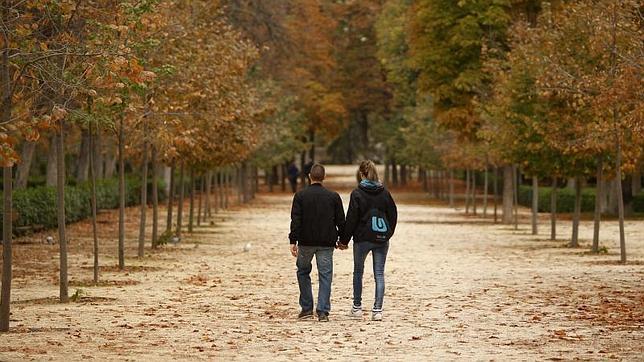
(371, 221)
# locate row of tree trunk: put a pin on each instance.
(510, 182)
(105, 160)
(214, 192)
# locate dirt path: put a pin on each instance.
(457, 288)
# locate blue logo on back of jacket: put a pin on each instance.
(378, 224)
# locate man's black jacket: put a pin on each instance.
(317, 217)
(368, 195)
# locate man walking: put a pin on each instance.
(317, 219)
(293, 173)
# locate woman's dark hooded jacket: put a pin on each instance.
(369, 194)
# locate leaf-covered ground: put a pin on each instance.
(458, 287)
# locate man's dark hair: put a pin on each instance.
(317, 173)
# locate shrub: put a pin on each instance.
(638, 202)
(37, 205)
(565, 199)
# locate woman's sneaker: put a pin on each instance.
(376, 316)
(356, 312)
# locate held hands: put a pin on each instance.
(293, 248)
(341, 246)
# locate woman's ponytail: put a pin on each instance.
(367, 170)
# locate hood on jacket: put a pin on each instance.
(372, 187)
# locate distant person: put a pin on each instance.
(293, 173)
(371, 221)
(317, 220)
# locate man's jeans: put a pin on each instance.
(379, 255)
(324, 261)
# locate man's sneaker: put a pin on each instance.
(356, 312)
(305, 314)
(376, 316)
(323, 317)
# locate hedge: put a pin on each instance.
(37, 205)
(638, 203)
(566, 199)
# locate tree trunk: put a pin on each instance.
(422, 178)
(620, 196)
(92, 177)
(97, 151)
(221, 187)
(394, 172)
(312, 150)
(275, 174)
(613, 199)
(168, 223)
(508, 193)
(256, 181)
(26, 158)
(269, 176)
(182, 193)
(485, 192)
(496, 194)
(451, 188)
(144, 194)
(617, 132)
(121, 156)
(226, 175)
(620, 205)
(83, 157)
(216, 185)
(515, 189)
(110, 163)
(60, 192)
(240, 186)
(387, 172)
(52, 168)
(403, 175)
(303, 174)
(283, 177)
(535, 205)
(598, 207)
(574, 242)
(208, 192)
(245, 182)
(7, 177)
(553, 210)
(200, 199)
(155, 198)
(467, 191)
(473, 190)
(193, 190)
(636, 187)
(7, 235)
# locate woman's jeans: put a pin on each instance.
(379, 255)
(324, 261)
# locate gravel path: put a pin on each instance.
(458, 287)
